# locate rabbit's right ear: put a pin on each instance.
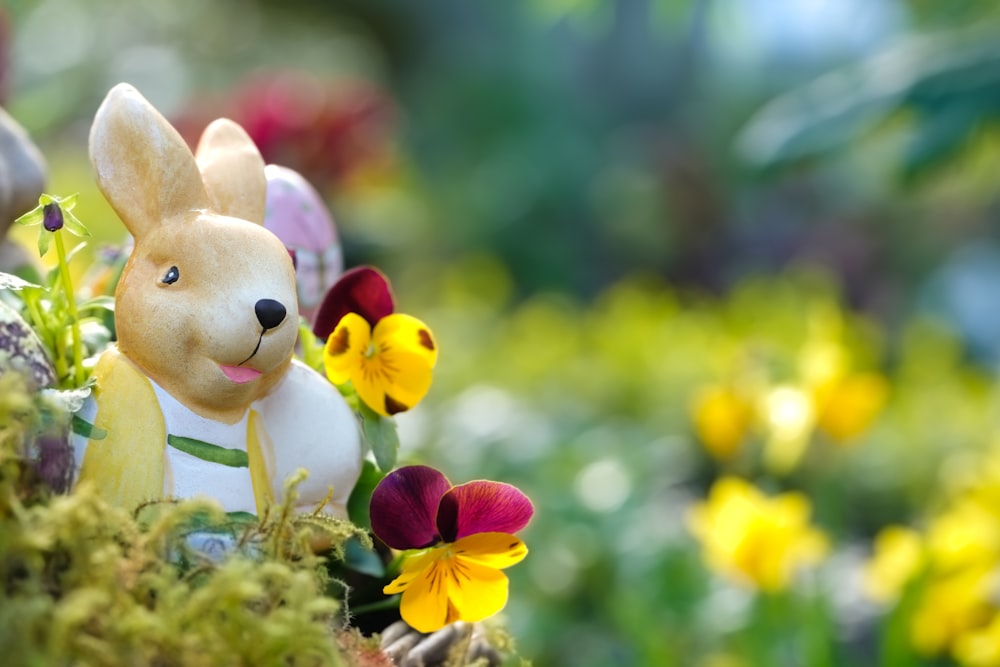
(144, 168)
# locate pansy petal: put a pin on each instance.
(362, 290)
(496, 550)
(406, 333)
(413, 566)
(394, 373)
(377, 383)
(475, 591)
(424, 605)
(344, 349)
(404, 504)
(372, 388)
(401, 382)
(402, 369)
(482, 507)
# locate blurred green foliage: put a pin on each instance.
(588, 407)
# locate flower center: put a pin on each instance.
(371, 351)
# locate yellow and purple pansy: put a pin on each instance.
(464, 536)
(389, 357)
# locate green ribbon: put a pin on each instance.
(84, 428)
(206, 451)
(234, 458)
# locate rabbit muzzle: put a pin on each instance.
(270, 314)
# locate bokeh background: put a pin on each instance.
(659, 241)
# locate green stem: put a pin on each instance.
(381, 605)
(47, 333)
(67, 285)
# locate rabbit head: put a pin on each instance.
(206, 305)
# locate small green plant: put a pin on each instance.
(87, 583)
(52, 309)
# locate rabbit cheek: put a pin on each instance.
(156, 331)
(240, 341)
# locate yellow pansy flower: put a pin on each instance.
(980, 647)
(388, 357)
(390, 364)
(722, 419)
(754, 538)
(898, 557)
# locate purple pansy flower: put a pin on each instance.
(362, 290)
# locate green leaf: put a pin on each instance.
(361, 496)
(842, 105)
(73, 224)
(67, 203)
(102, 302)
(32, 217)
(380, 434)
(940, 136)
(362, 559)
(312, 350)
(234, 458)
(12, 282)
(43, 242)
(76, 249)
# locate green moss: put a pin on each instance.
(85, 583)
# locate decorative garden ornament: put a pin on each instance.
(297, 215)
(22, 178)
(201, 395)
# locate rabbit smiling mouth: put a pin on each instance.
(270, 314)
(239, 373)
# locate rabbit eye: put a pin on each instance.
(171, 276)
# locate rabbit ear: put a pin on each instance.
(233, 171)
(144, 167)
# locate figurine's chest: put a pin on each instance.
(205, 457)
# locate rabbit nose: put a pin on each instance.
(270, 313)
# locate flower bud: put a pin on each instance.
(52, 217)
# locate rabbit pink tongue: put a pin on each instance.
(240, 374)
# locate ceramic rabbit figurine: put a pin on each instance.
(201, 395)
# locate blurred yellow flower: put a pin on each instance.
(957, 604)
(949, 607)
(847, 405)
(389, 364)
(789, 416)
(754, 538)
(897, 558)
(956, 564)
(722, 419)
(965, 535)
(981, 647)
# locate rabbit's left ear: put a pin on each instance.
(233, 171)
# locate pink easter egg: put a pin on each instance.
(298, 216)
